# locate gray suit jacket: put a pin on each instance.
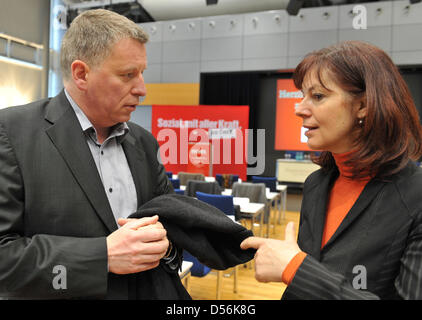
(53, 207)
(376, 252)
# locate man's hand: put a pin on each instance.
(272, 256)
(137, 246)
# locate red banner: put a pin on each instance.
(289, 133)
(205, 139)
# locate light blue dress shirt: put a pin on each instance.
(111, 163)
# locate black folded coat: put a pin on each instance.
(201, 229)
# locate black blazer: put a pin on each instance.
(381, 233)
(53, 207)
(197, 227)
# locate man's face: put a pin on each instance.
(114, 87)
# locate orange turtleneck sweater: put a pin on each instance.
(343, 195)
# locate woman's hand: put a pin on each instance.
(272, 256)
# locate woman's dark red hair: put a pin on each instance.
(391, 133)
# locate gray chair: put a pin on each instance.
(203, 186)
(256, 192)
(185, 176)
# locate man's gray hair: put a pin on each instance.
(91, 36)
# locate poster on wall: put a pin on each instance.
(205, 139)
(289, 133)
(199, 158)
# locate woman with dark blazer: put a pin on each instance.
(360, 233)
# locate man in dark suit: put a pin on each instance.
(73, 167)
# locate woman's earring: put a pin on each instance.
(360, 122)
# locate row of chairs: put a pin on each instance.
(270, 182)
(224, 180)
(255, 191)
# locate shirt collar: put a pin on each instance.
(119, 130)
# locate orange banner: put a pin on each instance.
(205, 139)
(289, 133)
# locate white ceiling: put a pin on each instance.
(179, 9)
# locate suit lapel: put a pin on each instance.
(318, 208)
(136, 157)
(368, 194)
(67, 136)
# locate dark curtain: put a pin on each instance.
(231, 89)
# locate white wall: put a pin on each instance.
(180, 50)
(27, 20)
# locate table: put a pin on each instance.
(240, 200)
(273, 198)
(184, 274)
(243, 201)
(207, 179)
(227, 192)
(290, 170)
(253, 209)
(282, 188)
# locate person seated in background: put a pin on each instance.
(360, 232)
